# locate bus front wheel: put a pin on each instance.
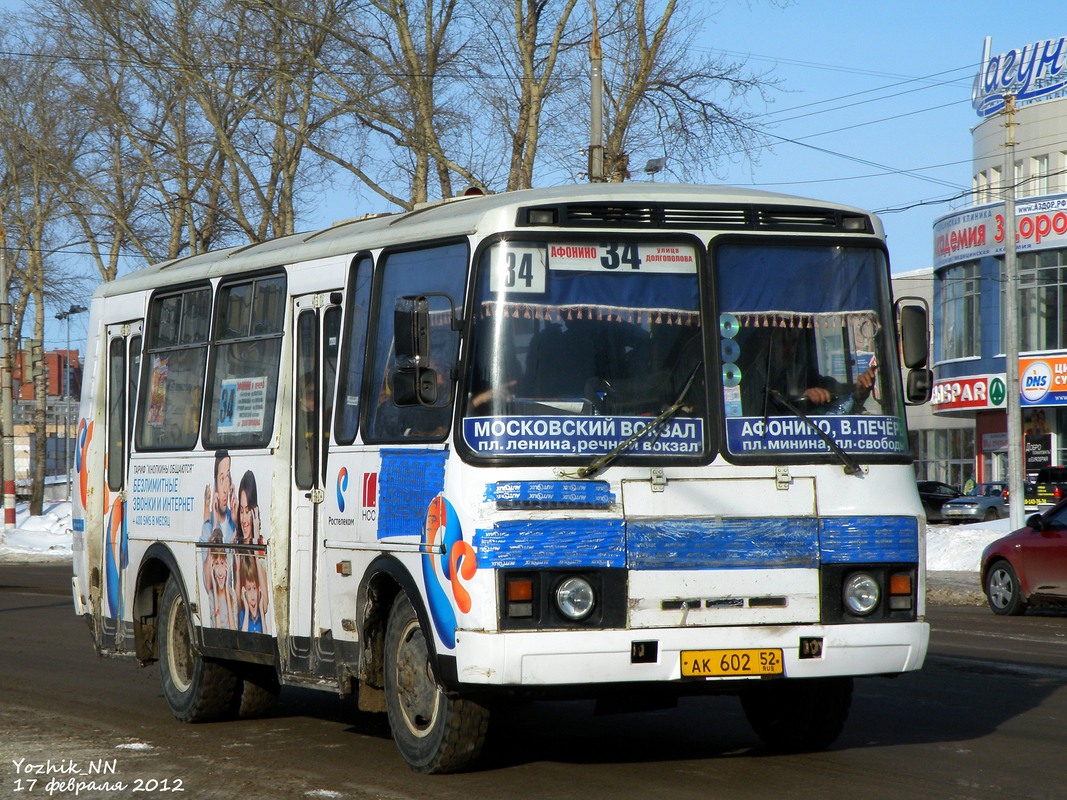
(434, 731)
(196, 689)
(799, 715)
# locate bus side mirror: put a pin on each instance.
(415, 387)
(914, 335)
(411, 329)
(919, 387)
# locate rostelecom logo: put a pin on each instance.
(342, 487)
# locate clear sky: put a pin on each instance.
(875, 104)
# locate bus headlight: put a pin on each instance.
(861, 594)
(575, 598)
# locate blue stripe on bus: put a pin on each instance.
(748, 543)
(846, 540)
(552, 543)
(723, 543)
(407, 482)
(557, 494)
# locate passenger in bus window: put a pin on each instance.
(222, 600)
(305, 431)
(251, 595)
(787, 364)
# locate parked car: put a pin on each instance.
(985, 502)
(1028, 567)
(1047, 488)
(934, 495)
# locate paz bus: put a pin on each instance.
(624, 442)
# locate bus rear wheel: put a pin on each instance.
(197, 689)
(257, 690)
(799, 715)
(434, 731)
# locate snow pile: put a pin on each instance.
(958, 548)
(48, 538)
(38, 539)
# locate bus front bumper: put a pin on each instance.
(557, 658)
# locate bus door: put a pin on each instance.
(122, 374)
(318, 326)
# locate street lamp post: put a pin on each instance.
(66, 315)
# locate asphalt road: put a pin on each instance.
(983, 719)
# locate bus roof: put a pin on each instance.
(591, 206)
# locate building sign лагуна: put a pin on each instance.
(1037, 71)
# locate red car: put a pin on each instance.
(1028, 567)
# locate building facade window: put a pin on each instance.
(1042, 300)
(1038, 184)
(961, 327)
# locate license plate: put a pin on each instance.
(731, 663)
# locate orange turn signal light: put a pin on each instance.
(899, 584)
(520, 590)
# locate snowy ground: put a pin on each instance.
(38, 539)
(949, 548)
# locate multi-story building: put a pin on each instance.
(969, 246)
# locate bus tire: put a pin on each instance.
(258, 691)
(799, 715)
(196, 689)
(434, 731)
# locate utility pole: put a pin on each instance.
(1016, 467)
(596, 105)
(7, 411)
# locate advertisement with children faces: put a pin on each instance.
(233, 551)
(216, 503)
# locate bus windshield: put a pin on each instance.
(804, 344)
(578, 345)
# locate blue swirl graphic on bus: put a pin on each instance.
(342, 487)
(116, 558)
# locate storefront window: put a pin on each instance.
(960, 323)
(944, 454)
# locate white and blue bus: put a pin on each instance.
(626, 442)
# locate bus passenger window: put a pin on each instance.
(168, 410)
(243, 381)
(353, 351)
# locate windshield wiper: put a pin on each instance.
(852, 467)
(655, 426)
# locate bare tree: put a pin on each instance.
(214, 116)
(399, 87)
(514, 70)
(664, 99)
(38, 140)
